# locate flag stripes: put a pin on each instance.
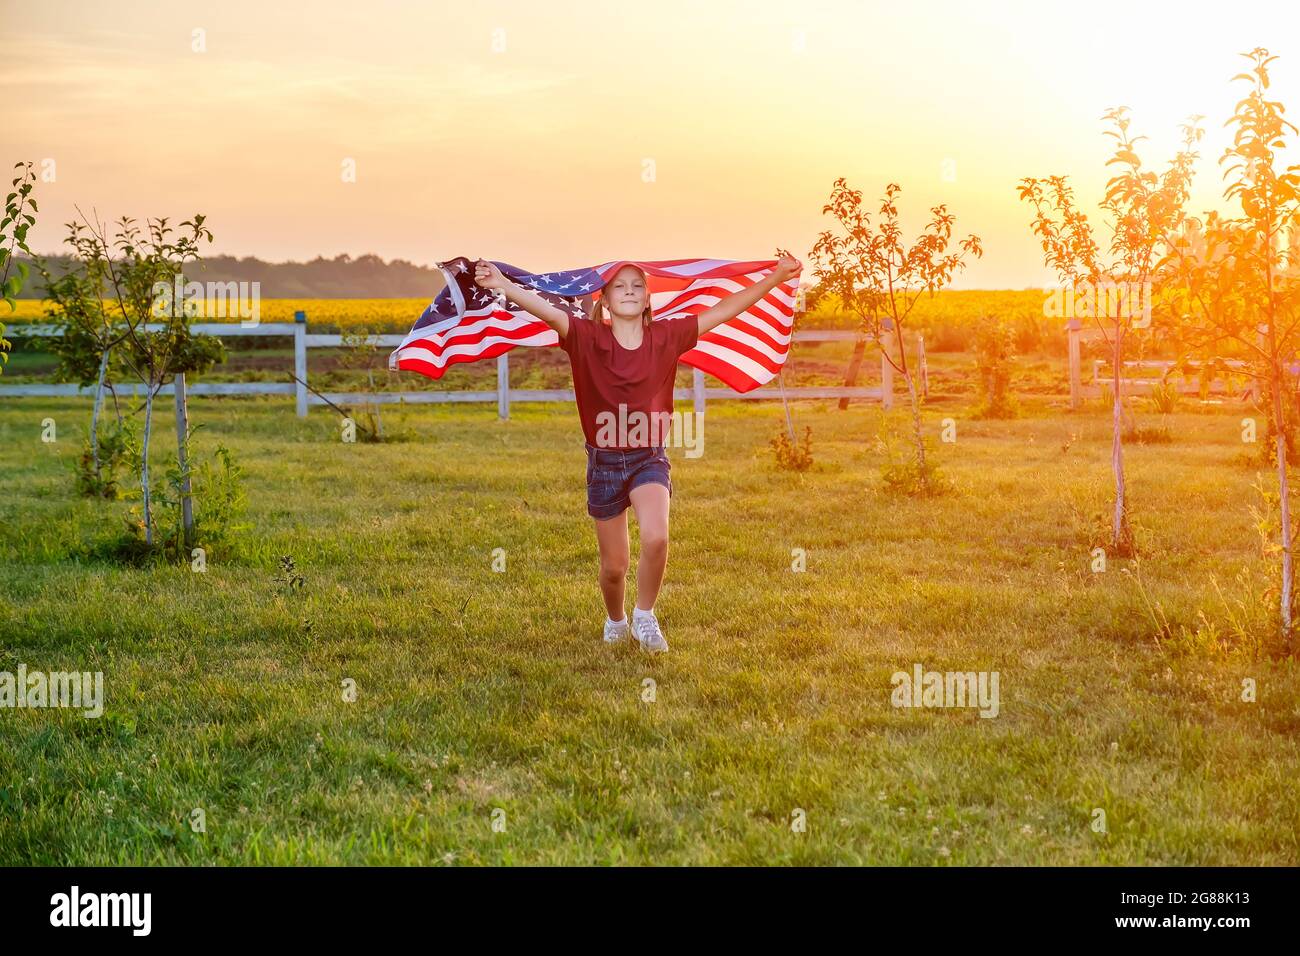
(466, 323)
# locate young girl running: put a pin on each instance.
(624, 365)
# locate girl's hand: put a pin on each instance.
(787, 267)
(488, 276)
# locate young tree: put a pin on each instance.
(18, 218)
(1145, 211)
(137, 265)
(1237, 280)
(879, 278)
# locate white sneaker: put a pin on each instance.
(646, 628)
(616, 631)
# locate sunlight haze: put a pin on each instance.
(522, 133)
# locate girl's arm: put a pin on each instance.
(488, 276)
(738, 302)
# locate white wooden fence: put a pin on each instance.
(1136, 384)
(503, 394)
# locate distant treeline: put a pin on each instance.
(365, 277)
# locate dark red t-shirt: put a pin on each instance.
(605, 375)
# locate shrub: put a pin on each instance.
(906, 476)
(995, 352)
(118, 448)
(218, 502)
(1164, 398)
(793, 456)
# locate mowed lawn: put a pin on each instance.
(486, 696)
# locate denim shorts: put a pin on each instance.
(612, 473)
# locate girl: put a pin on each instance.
(624, 365)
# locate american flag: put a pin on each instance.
(466, 323)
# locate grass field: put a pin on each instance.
(479, 691)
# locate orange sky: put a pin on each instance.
(521, 132)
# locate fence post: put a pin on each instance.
(300, 360)
(886, 370)
(697, 382)
(503, 386)
(1072, 330)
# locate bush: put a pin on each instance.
(906, 477)
(790, 455)
(1164, 398)
(216, 498)
(118, 447)
(995, 352)
(902, 473)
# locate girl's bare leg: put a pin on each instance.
(611, 536)
(650, 501)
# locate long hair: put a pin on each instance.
(600, 312)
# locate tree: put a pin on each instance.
(18, 218)
(140, 268)
(1145, 211)
(1237, 282)
(879, 278)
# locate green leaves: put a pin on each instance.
(15, 205)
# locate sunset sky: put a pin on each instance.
(519, 131)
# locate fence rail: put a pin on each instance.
(1137, 385)
(1187, 386)
(503, 394)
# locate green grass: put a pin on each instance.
(479, 690)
